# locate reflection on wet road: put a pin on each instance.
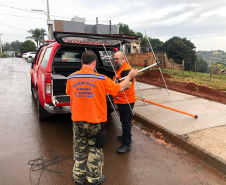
(24, 138)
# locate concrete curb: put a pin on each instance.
(212, 160)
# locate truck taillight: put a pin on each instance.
(48, 85)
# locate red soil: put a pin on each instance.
(154, 77)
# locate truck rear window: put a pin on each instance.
(107, 58)
(90, 41)
(68, 56)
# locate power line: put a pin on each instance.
(30, 11)
(14, 35)
(22, 16)
(18, 1)
(43, 14)
(13, 27)
(20, 9)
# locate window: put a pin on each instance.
(46, 57)
(91, 41)
(41, 55)
(68, 56)
(107, 58)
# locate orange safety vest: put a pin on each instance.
(87, 91)
(130, 93)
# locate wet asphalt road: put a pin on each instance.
(24, 138)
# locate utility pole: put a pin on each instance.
(110, 27)
(48, 21)
(96, 20)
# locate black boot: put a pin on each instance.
(123, 149)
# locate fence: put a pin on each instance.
(146, 59)
(171, 65)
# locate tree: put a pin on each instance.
(3, 55)
(181, 49)
(202, 65)
(144, 42)
(37, 35)
(43, 33)
(157, 45)
(15, 45)
(7, 47)
(124, 29)
(27, 46)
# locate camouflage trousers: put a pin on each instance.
(88, 159)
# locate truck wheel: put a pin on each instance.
(32, 86)
(42, 113)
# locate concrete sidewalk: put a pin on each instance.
(203, 137)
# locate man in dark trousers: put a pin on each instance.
(87, 91)
(125, 101)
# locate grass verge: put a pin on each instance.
(216, 82)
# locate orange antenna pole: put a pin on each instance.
(160, 105)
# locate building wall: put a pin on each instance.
(10, 53)
(140, 59)
(90, 28)
(72, 26)
(105, 29)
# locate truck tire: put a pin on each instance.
(32, 86)
(42, 113)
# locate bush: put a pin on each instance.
(27, 46)
(3, 55)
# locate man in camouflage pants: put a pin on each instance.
(87, 91)
(83, 133)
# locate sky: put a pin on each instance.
(203, 22)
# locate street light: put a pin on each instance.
(49, 22)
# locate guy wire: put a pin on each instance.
(156, 62)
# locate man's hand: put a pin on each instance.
(133, 73)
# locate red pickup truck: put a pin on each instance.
(54, 62)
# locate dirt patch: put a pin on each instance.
(153, 77)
